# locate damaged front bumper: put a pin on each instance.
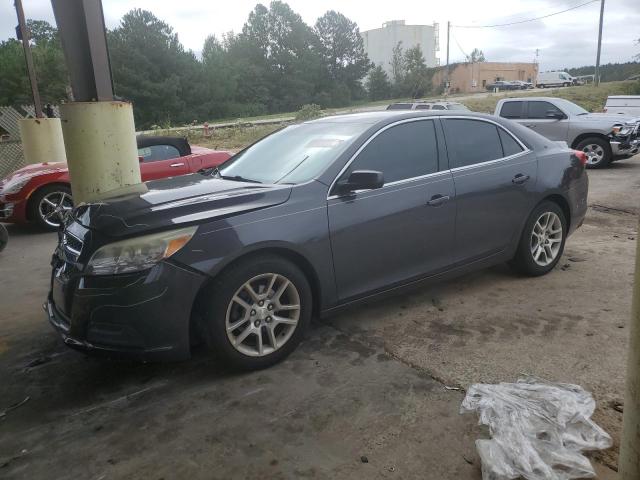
(144, 316)
(620, 148)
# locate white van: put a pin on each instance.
(553, 79)
(623, 104)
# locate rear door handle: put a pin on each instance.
(177, 165)
(519, 179)
(438, 200)
(530, 125)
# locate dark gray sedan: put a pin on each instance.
(311, 218)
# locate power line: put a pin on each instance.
(458, 44)
(528, 20)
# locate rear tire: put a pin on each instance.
(598, 152)
(542, 241)
(49, 204)
(259, 297)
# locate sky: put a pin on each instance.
(565, 40)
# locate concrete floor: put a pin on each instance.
(363, 397)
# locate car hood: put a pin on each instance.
(36, 169)
(187, 199)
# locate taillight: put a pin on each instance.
(581, 156)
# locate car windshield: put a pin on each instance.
(572, 109)
(295, 154)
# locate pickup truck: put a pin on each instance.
(604, 138)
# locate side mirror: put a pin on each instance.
(555, 114)
(362, 180)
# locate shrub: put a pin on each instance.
(308, 112)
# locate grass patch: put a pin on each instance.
(587, 96)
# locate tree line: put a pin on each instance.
(610, 72)
(276, 63)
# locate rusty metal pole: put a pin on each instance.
(99, 132)
(24, 33)
(629, 462)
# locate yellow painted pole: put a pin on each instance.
(42, 140)
(101, 148)
(629, 463)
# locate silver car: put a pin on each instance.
(604, 138)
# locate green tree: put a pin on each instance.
(48, 63)
(476, 56)
(397, 65)
(152, 69)
(283, 53)
(417, 80)
(342, 51)
(378, 85)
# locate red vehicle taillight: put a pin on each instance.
(581, 156)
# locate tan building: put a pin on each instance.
(474, 77)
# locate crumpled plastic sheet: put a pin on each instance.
(538, 429)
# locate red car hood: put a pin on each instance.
(38, 169)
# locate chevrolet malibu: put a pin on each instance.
(312, 218)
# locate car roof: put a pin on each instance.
(389, 116)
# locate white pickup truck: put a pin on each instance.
(603, 137)
(623, 105)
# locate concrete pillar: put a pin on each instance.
(42, 140)
(101, 148)
(629, 462)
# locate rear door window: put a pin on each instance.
(539, 109)
(472, 141)
(401, 152)
(511, 110)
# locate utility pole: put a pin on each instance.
(99, 132)
(24, 36)
(629, 462)
(597, 79)
(446, 78)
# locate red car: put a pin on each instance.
(41, 192)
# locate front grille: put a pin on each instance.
(71, 244)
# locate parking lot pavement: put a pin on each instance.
(364, 395)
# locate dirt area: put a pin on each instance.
(363, 397)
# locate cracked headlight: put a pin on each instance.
(138, 253)
(14, 186)
(622, 130)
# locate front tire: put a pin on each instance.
(542, 241)
(49, 205)
(598, 152)
(257, 312)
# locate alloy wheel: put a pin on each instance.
(263, 314)
(54, 207)
(546, 238)
(595, 153)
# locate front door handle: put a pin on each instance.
(177, 165)
(519, 179)
(438, 200)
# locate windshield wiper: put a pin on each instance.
(210, 172)
(237, 178)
